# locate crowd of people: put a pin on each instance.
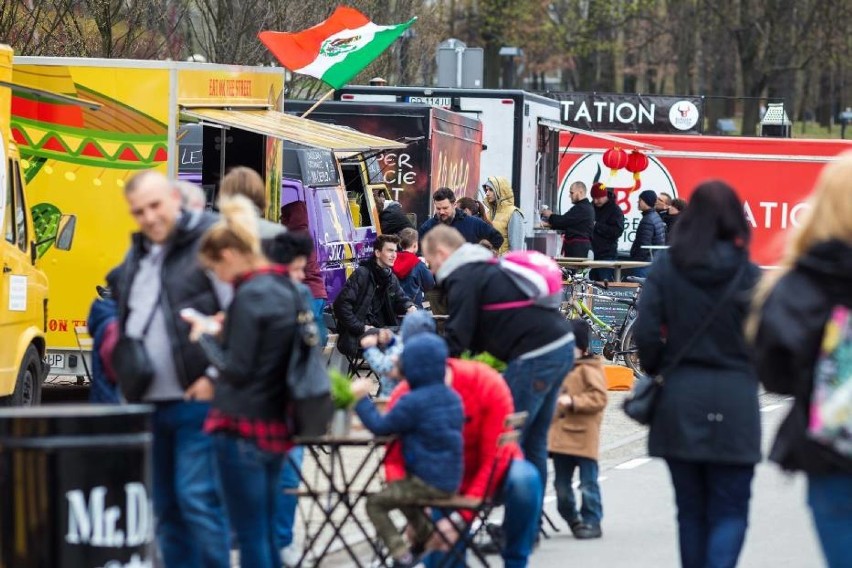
(216, 301)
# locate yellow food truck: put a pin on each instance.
(76, 161)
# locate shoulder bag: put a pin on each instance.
(640, 403)
(132, 363)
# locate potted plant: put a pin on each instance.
(341, 395)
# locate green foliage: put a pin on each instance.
(486, 358)
(341, 390)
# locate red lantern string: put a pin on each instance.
(637, 162)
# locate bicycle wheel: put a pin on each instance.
(629, 351)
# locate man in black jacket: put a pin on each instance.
(161, 275)
(651, 231)
(609, 225)
(536, 342)
(473, 229)
(372, 297)
(577, 223)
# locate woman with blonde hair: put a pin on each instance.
(803, 347)
(248, 414)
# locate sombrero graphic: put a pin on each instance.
(74, 142)
(114, 137)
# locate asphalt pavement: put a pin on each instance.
(639, 525)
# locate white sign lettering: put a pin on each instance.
(92, 523)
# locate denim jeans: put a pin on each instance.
(638, 272)
(285, 512)
(521, 496)
(591, 511)
(712, 511)
(534, 383)
(250, 479)
(318, 307)
(192, 527)
(830, 500)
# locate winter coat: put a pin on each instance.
(787, 344)
(371, 296)
(651, 231)
(708, 407)
(185, 284)
(576, 431)
(102, 315)
(393, 220)
(295, 217)
(670, 221)
(414, 278)
(471, 279)
(505, 217)
(429, 421)
(252, 365)
(578, 224)
(487, 401)
(609, 226)
(472, 229)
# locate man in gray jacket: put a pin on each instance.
(161, 276)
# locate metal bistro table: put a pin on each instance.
(341, 493)
(616, 265)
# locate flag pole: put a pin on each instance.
(324, 98)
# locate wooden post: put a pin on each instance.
(324, 98)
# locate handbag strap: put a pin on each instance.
(150, 319)
(705, 324)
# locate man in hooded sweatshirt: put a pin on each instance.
(505, 217)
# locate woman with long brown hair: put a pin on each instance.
(802, 343)
(248, 413)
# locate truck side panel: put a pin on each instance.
(773, 177)
(77, 161)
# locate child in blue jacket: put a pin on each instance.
(382, 349)
(428, 421)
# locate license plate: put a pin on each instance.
(445, 102)
(56, 361)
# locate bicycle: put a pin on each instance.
(618, 342)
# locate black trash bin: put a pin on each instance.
(75, 487)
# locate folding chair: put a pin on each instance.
(480, 507)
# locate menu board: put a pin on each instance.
(319, 168)
(610, 312)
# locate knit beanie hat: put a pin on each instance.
(598, 190)
(649, 197)
(581, 334)
(416, 322)
(424, 360)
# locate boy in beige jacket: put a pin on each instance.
(574, 438)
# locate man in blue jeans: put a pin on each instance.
(536, 342)
(160, 276)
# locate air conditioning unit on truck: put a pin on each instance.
(24, 297)
(78, 161)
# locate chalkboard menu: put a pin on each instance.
(374, 169)
(319, 167)
(610, 312)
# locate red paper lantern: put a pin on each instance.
(637, 162)
(615, 159)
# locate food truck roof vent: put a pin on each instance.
(775, 122)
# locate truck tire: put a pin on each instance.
(28, 386)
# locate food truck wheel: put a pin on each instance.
(28, 386)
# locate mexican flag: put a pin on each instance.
(335, 50)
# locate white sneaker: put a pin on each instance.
(290, 555)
